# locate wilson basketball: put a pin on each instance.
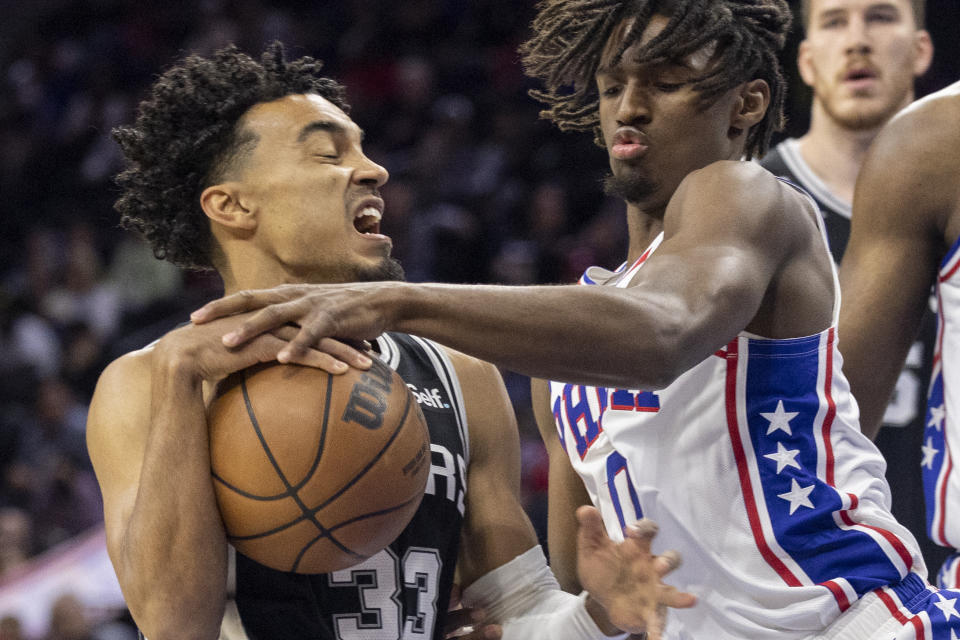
(313, 472)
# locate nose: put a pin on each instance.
(633, 107)
(857, 38)
(369, 173)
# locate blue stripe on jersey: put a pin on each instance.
(935, 614)
(934, 445)
(782, 407)
(947, 258)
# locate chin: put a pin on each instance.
(633, 188)
(387, 269)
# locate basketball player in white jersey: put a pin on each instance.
(860, 59)
(700, 384)
(256, 170)
(906, 226)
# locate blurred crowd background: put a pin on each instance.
(480, 191)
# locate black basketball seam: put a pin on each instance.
(374, 459)
(310, 514)
(263, 444)
(306, 514)
(365, 516)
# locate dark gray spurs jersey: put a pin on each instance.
(403, 591)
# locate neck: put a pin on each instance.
(835, 153)
(642, 227)
(245, 272)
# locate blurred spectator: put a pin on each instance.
(69, 620)
(10, 629)
(16, 531)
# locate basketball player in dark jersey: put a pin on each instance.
(860, 59)
(255, 170)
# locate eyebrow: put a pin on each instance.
(829, 13)
(328, 126)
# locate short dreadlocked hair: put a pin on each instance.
(188, 135)
(569, 38)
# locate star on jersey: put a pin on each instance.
(797, 496)
(784, 457)
(947, 606)
(929, 453)
(936, 418)
(780, 419)
(953, 635)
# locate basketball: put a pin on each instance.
(316, 472)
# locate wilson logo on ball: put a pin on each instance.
(367, 401)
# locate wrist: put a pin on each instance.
(171, 366)
(599, 616)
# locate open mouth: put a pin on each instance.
(367, 220)
(854, 75)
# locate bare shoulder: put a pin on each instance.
(741, 195)
(915, 159)
(120, 401)
(490, 418)
(471, 370)
(928, 127)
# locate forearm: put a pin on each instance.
(588, 335)
(174, 559)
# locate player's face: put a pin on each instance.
(654, 126)
(861, 58)
(315, 193)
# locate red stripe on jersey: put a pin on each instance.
(949, 274)
(894, 541)
(838, 594)
(945, 474)
(743, 470)
(896, 613)
(831, 410)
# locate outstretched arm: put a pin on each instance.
(727, 234)
(901, 207)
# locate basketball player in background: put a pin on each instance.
(256, 170)
(906, 230)
(698, 385)
(860, 59)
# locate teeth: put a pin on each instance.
(372, 212)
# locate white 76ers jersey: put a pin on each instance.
(753, 465)
(942, 438)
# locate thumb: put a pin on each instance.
(591, 533)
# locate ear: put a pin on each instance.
(924, 53)
(225, 204)
(805, 63)
(751, 104)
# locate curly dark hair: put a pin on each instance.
(569, 37)
(187, 136)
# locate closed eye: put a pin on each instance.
(668, 87)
